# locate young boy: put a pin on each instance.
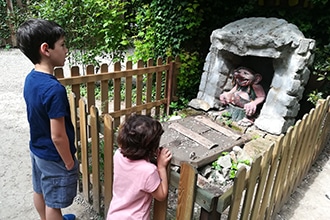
(52, 150)
(136, 179)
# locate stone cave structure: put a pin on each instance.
(270, 46)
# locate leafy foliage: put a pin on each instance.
(95, 28)
(158, 28)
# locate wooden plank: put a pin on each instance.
(193, 135)
(225, 200)
(95, 159)
(216, 126)
(108, 160)
(90, 88)
(263, 214)
(58, 73)
(289, 142)
(300, 128)
(149, 85)
(74, 119)
(84, 149)
(265, 164)
(204, 198)
(158, 86)
(75, 88)
(251, 187)
(295, 149)
(104, 91)
(278, 174)
(112, 75)
(160, 207)
(186, 192)
(128, 88)
(238, 188)
(117, 95)
(139, 86)
(281, 174)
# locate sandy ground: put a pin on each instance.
(308, 202)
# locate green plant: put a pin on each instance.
(95, 28)
(255, 137)
(226, 114)
(314, 96)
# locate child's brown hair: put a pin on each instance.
(139, 137)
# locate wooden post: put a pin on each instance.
(104, 91)
(108, 161)
(95, 158)
(84, 149)
(128, 88)
(186, 198)
(169, 87)
(75, 88)
(160, 208)
(117, 94)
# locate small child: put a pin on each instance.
(52, 149)
(136, 179)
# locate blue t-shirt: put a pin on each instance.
(46, 99)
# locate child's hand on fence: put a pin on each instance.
(164, 157)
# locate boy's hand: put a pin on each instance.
(70, 165)
(164, 157)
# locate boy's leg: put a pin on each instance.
(53, 214)
(39, 204)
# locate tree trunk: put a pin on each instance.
(10, 12)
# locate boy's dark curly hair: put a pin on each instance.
(139, 137)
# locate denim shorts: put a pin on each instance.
(54, 181)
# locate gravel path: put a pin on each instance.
(308, 202)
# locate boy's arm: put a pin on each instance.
(61, 141)
(164, 158)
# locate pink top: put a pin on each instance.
(134, 181)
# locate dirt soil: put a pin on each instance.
(308, 202)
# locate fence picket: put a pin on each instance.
(74, 71)
(186, 192)
(90, 88)
(290, 145)
(94, 122)
(265, 211)
(149, 83)
(238, 189)
(108, 160)
(84, 149)
(128, 87)
(117, 94)
(282, 170)
(104, 90)
(158, 85)
(252, 183)
(139, 86)
(295, 152)
(259, 200)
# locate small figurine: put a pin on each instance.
(247, 94)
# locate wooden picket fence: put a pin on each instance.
(256, 194)
(275, 175)
(148, 89)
